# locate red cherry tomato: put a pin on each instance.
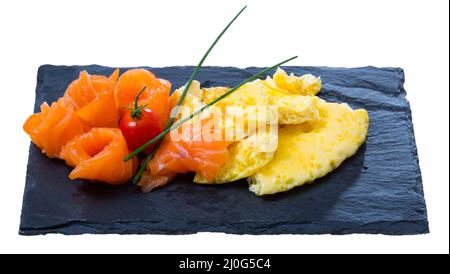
(139, 128)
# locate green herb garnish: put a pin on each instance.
(137, 111)
(180, 101)
(180, 122)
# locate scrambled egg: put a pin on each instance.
(306, 84)
(193, 99)
(293, 107)
(314, 137)
(311, 150)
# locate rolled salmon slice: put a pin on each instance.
(102, 110)
(191, 152)
(81, 91)
(183, 156)
(98, 155)
(93, 98)
(33, 123)
(88, 102)
(54, 126)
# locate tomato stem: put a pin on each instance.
(137, 111)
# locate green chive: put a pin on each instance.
(188, 85)
(180, 101)
(144, 164)
(180, 122)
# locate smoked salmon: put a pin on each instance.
(193, 150)
(54, 126)
(81, 127)
(98, 155)
(88, 102)
(93, 98)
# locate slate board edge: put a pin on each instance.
(126, 228)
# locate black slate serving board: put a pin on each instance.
(378, 190)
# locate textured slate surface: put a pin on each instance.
(379, 190)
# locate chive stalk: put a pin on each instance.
(180, 122)
(180, 101)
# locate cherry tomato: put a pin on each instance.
(140, 126)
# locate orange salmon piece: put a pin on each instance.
(98, 155)
(81, 92)
(101, 111)
(88, 102)
(54, 126)
(33, 123)
(192, 153)
(149, 182)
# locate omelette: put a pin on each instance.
(311, 150)
(312, 136)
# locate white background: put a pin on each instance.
(408, 34)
